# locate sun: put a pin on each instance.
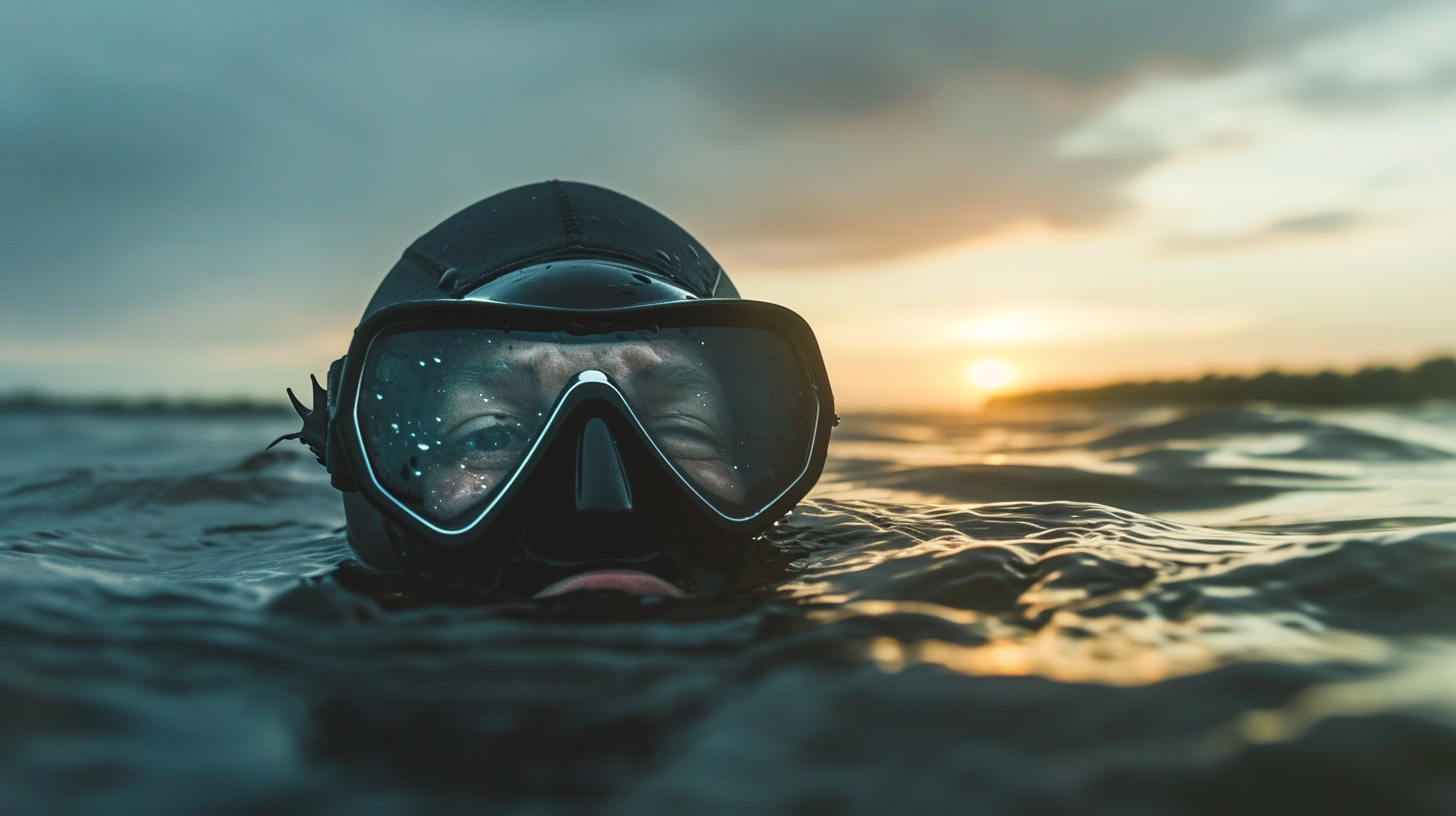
(990, 375)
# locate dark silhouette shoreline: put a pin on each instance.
(1434, 379)
(37, 401)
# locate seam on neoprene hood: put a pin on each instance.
(569, 223)
(427, 262)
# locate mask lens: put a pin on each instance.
(448, 415)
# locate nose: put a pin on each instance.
(601, 482)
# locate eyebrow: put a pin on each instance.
(500, 372)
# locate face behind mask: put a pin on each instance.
(449, 415)
(583, 423)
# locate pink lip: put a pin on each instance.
(637, 583)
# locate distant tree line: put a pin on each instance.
(37, 401)
(1432, 379)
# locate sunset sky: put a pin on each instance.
(198, 199)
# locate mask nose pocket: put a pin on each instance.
(601, 481)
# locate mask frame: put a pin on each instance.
(594, 390)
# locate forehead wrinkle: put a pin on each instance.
(499, 365)
(541, 367)
(676, 372)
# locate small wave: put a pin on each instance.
(1317, 440)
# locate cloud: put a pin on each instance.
(1042, 325)
(1325, 222)
(863, 130)
(847, 58)
(838, 128)
(1351, 130)
(266, 161)
(1310, 226)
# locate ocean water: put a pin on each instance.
(1146, 611)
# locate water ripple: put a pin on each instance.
(971, 614)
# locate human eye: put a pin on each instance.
(687, 437)
(490, 440)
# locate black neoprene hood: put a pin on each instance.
(541, 223)
(584, 262)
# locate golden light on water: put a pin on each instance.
(990, 375)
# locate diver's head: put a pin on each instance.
(559, 389)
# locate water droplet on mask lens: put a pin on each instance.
(423, 446)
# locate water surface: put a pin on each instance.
(1042, 612)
